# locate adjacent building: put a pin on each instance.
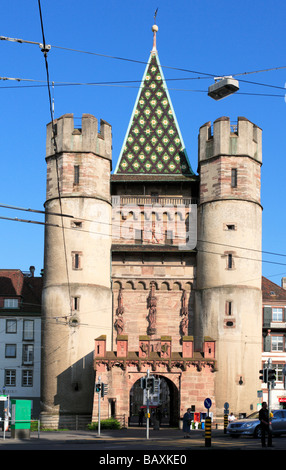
(274, 334)
(20, 335)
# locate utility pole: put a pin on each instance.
(99, 395)
(147, 406)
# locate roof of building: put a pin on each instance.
(15, 284)
(153, 145)
(271, 291)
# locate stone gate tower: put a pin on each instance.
(77, 304)
(228, 291)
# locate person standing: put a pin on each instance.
(265, 425)
(187, 418)
(231, 417)
(141, 416)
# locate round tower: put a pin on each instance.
(77, 305)
(228, 292)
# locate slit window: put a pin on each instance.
(228, 308)
(77, 260)
(76, 174)
(234, 177)
(75, 304)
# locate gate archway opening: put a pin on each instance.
(164, 407)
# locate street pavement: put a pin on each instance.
(166, 441)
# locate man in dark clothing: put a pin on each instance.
(265, 425)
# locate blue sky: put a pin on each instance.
(204, 38)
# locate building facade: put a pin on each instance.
(20, 333)
(173, 287)
(274, 334)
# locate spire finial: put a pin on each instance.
(154, 29)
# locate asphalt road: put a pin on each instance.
(134, 441)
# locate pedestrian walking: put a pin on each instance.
(187, 419)
(265, 425)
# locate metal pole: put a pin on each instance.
(99, 394)
(208, 431)
(148, 419)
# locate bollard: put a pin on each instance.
(208, 432)
(225, 423)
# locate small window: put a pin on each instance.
(277, 343)
(11, 303)
(10, 378)
(229, 261)
(76, 259)
(228, 308)
(75, 304)
(28, 354)
(27, 378)
(10, 350)
(277, 314)
(233, 177)
(76, 224)
(76, 174)
(11, 326)
(28, 330)
(230, 227)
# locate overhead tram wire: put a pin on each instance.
(200, 250)
(7, 206)
(45, 49)
(205, 74)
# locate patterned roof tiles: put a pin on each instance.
(153, 144)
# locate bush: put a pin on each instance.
(110, 423)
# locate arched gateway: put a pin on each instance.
(187, 378)
(163, 402)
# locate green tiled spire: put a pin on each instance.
(153, 144)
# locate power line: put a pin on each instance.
(45, 50)
(116, 225)
(197, 249)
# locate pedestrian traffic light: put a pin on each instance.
(263, 375)
(271, 375)
(97, 387)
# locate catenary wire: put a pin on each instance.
(44, 50)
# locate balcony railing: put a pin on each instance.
(163, 201)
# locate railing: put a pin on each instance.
(151, 200)
(36, 426)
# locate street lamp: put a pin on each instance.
(223, 86)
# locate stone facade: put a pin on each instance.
(156, 269)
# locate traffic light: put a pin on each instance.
(143, 382)
(271, 375)
(150, 384)
(97, 387)
(104, 389)
(264, 375)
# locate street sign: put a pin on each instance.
(208, 403)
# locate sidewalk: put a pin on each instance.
(131, 433)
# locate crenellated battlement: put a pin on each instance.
(85, 139)
(242, 139)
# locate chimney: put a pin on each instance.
(32, 270)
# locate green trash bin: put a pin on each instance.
(20, 418)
